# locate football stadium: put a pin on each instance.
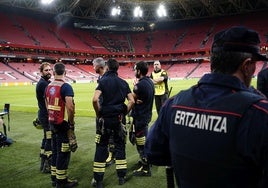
(178, 33)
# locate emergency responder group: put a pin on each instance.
(198, 134)
(56, 98)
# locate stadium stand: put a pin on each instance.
(181, 49)
(9, 74)
(200, 70)
(78, 75)
(181, 70)
(141, 42)
(92, 44)
(29, 70)
(126, 72)
(12, 32)
(114, 42)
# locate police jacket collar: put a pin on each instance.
(144, 77)
(110, 72)
(223, 80)
(45, 78)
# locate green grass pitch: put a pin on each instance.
(19, 163)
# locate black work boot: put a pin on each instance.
(53, 181)
(99, 184)
(121, 180)
(42, 158)
(46, 166)
(93, 182)
(69, 184)
(144, 170)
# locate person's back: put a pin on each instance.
(61, 109)
(111, 82)
(215, 134)
(262, 81)
(217, 152)
(114, 91)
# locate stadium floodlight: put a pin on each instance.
(161, 11)
(116, 11)
(46, 2)
(137, 12)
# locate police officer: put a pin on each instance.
(114, 91)
(46, 152)
(215, 134)
(59, 96)
(100, 68)
(160, 79)
(143, 93)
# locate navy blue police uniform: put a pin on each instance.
(142, 112)
(110, 159)
(43, 118)
(114, 91)
(40, 95)
(211, 144)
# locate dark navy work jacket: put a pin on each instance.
(114, 91)
(40, 96)
(215, 135)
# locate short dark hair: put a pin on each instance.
(142, 67)
(43, 65)
(112, 65)
(232, 46)
(59, 68)
(227, 62)
(238, 39)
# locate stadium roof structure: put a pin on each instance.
(95, 14)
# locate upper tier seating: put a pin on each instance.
(7, 74)
(193, 36)
(12, 32)
(183, 42)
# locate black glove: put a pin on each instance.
(123, 132)
(131, 136)
(124, 109)
(100, 126)
(71, 125)
(72, 140)
(37, 124)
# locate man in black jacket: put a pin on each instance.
(42, 117)
(110, 113)
(215, 134)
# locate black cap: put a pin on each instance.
(239, 39)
